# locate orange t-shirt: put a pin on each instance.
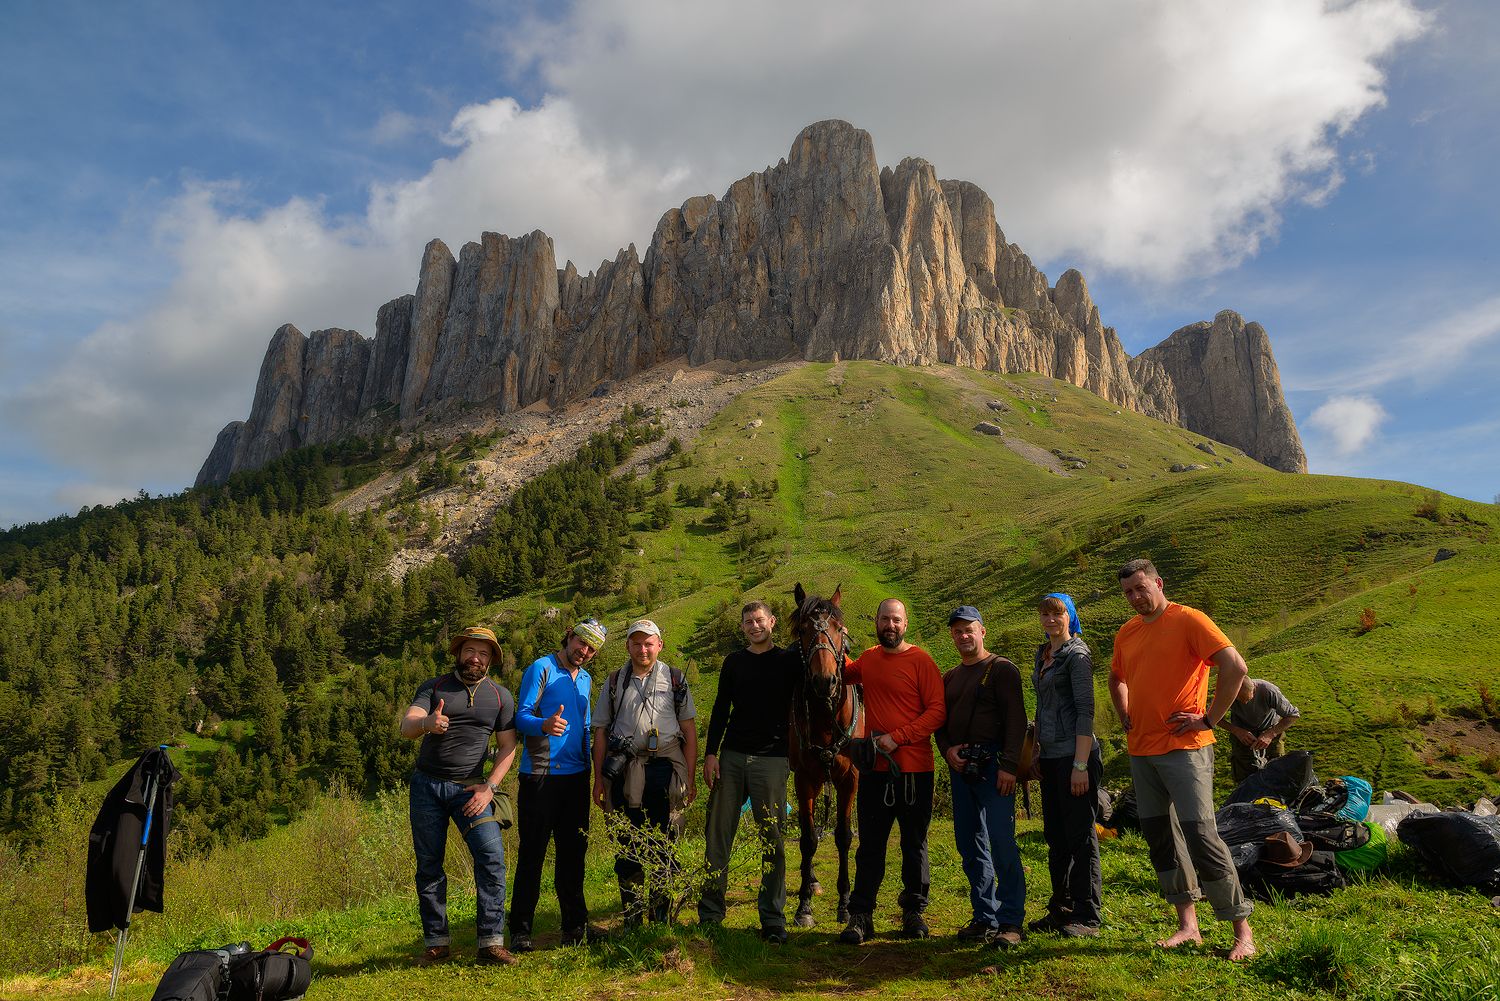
(903, 697)
(1165, 666)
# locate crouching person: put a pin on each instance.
(454, 716)
(645, 754)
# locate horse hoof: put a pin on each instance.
(805, 921)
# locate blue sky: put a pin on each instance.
(178, 180)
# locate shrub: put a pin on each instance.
(1367, 620)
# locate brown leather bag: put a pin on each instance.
(1028, 765)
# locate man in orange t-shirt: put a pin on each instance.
(1158, 681)
(904, 705)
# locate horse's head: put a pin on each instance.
(818, 624)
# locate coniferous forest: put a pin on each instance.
(251, 613)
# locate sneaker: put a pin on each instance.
(1078, 929)
(775, 936)
(912, 925)
(1048, 923)
(587, 935)
(521, 943)
(1007, 937)
(859, 928)
(494, 955)
(978, 931)
(434, 954)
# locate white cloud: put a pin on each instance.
(1159, 140)
(1428, 353)
(1351, 423)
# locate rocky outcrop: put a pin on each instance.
(824, 255)
(1220, 379)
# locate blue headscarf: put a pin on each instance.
(1074, 626)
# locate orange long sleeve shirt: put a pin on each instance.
(904, 698)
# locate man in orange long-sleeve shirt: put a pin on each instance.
(904, 705)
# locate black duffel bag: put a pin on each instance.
(273, 974)
(1460, 847)
(1332, 834)
(1282, 779)
(1318, 875)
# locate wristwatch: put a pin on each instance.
(494, 788)
(1080, 766)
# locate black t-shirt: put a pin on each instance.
(753, 702)
(473, 714)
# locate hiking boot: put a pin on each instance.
(1007, 937)
(494, 955)
(1048, 923)
(912, 925)
(1078, 929)
(859, 928)
(434, 954)
(587, 935)
(775, 936)
(978, 931)
(521, 942)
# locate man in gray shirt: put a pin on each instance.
(1257, 719)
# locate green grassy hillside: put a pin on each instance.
(882, 486)
(873, 478)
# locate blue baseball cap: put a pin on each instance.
(965, 613)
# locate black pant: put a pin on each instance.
(551, 808)
(655, 811)
(905, 800)
(1072, 841)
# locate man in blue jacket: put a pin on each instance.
(553, 717)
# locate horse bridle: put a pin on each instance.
(822, 625)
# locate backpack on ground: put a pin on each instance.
(1331, 833)
(199, 975)
(1320, 874)
(272, 974)
(1461, 848)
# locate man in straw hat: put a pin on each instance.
(454, 715)
(553, 805)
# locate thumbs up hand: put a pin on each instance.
(436, 721)
(555, 725)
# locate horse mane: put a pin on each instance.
(814, 605)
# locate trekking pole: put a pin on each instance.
(153, 782)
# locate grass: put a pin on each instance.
(361, 917)
(883, 488)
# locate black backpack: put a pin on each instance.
(1331, 833)
(236, 973)
(1320, 874)
(273, 974)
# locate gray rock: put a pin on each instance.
(822, 256)
(1442, 554)
(985, 427)
(1178, 467)
(1204, 446)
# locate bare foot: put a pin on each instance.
(1244, 948)
(1182, 937)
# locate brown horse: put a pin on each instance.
(826, 716)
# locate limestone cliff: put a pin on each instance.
(823, 255)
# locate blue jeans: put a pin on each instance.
(984, 827)
(433, 803)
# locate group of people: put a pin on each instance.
(631, 745)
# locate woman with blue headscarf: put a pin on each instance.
(1070, 769)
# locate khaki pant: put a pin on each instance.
(1174, 798)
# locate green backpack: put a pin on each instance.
(1368, 856)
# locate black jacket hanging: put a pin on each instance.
(115, 843)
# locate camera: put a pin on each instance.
(617, 756)
(974, 758)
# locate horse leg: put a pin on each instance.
(808, 843)
(843, 838)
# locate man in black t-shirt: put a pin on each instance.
(749, 719)
(454, 715)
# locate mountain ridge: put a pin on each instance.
(824, 256)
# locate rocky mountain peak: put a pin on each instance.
(824, 255)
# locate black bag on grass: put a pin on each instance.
(199, 975)
(1461, 848)
(1282, 779)
(1331, 834)
(1252, 823)
(1123, 816)
(1320, 874)
(273, 974)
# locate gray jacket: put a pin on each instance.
(1064, 698)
